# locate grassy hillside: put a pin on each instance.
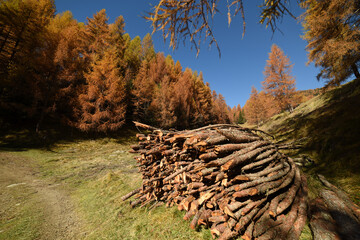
(328, 126)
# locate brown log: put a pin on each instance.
(242, 158)
(228, 234)
(322, 224)
(208, 156)
(217, 229)
(244, 220)
(195, 219)
(145, 126)
(291, 193)
(221, 161)
(259, 163)
(236, 136)
(270, 169)
(234, 206)
(274, 204)
(204, 217)
(218, 219)
(348, 225)
(249, 232)
(300, 222)
(230, 147)
(208, 171)
(245, 193)
(350, 204)
(290, 217)
(179, 171)
(130, 194)
(278, 175)
(204, 197)
(220, 176)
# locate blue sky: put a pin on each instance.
(242, 60)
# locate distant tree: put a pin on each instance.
(220, 109)
(103, 106)
(237, 115)
(278, 81)
(254, 109)
(184, 95)
(332, 30)
(147, 47)
(203, 105)
(133, 55)
(165, 103)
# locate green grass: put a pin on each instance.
(21, 219)
(96, 173)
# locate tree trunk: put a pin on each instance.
(355, 70)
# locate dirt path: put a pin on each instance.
(60, 220)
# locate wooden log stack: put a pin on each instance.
(225, 177)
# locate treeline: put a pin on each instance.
(93, 76)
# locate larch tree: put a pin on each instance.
(102, 103)
(332, 30)
(220, 109)
(184, 93)
(64, 30)
(278, 81)
(203, 104)
(254, 109)
(23, 32)
(165, 103)
(144, 86)
(147, 47)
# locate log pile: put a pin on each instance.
(225, 177)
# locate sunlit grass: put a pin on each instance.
(97, 173)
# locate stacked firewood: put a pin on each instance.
(225, 177)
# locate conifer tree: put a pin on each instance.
(202, 102)
(278, 81)
(144, 87)
(332, 30)
(220, 109)
(254, 109)
(102, 103)
(147, 47)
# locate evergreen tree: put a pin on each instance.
(103, 104)
(332, 30)
(254, 109)
(278, 81)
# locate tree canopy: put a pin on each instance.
(333, 35)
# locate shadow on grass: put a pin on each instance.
(23, 137)
(331, 133)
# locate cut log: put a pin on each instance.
(322, 224)
(350, 204)
(130, 194)
(348, 225)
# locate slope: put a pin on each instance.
(328, 128)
